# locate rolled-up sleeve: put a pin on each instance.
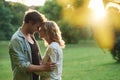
(18, 54)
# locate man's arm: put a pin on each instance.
(17, 56)
(42, 67)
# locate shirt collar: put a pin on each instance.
(20, 33)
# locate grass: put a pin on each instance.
(83, 61)
(5, 67)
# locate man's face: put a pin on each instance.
(32, 28)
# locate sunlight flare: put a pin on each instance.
(97, 7)
(72, 14)
(102, 30)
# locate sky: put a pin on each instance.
(30, 2)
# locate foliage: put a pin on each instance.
(11, 16)
(72, 33)
(51, 10)
(5, 22)
(78, 3)
(18, 11)
(116, 51)
(69, 33)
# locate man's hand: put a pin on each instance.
(49, 66)
(43, 67)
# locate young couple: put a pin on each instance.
(26, 60)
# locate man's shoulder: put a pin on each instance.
(17, 35)
(16, 38)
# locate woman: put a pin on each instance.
(51, 35)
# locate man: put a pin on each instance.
(23, 49)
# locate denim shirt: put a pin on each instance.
(20, 56)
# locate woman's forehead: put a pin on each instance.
(40, 28)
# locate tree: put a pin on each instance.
(70, 34)
(17, 10)
(52, 10)
(11, 16)
(5, 19)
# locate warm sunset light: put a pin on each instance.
(102, 31)
(98, 8)
(30, 2)
(76, 15)
(114, 5)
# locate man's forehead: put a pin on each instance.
(39, 23)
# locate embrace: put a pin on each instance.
(26, 60)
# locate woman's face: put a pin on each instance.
(42, 33)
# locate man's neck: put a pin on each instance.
(27, 35)
(24, 30)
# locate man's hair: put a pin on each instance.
(34, 16)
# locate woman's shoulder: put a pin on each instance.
(54, 45)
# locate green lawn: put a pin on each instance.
(83, 61)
